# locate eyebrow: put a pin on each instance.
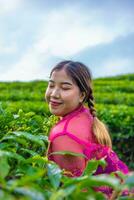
(63, 83)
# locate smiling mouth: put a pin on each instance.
(53, 103)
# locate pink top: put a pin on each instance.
(74, 133)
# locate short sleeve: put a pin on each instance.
(74, 164)
(81, 127)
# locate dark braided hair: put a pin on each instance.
(81, 75)
(91, 105)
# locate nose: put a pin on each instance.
(55, 93)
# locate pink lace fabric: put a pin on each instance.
(74, 133)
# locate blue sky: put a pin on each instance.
(36, 34)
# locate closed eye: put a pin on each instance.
(66, 88)
(51, 86)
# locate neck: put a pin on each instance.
(79, 106)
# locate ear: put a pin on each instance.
(82, 97)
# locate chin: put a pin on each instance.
(55, 112)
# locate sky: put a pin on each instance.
(37, 34)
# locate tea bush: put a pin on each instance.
(25, 122)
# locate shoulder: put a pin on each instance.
(81, 125)
(56, 130)
(84, 117)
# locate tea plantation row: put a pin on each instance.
(25, 121)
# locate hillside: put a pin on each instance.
(114, 98)
(25, 123)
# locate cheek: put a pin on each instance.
(71, 96)
(66, 95)
(47, 94)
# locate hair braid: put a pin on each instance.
(91, 103)
(99, 129)
(81, 75)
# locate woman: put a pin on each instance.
(78, 130)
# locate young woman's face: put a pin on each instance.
(62, 94)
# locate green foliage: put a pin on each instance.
(25, 123)
(35, 178)
(115, 98)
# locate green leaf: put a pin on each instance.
(125, 198)
(93, 165)
(13, 138)
(11, 155)
(33, 138)
(71, 181)
(4, 195)
(4, 167)
(68, 153)
(37, 160)
(58, 195)
(31, 152)
(62, 193)
(32, 176)
(30, 192)
(130, 181)
(54, 175)
(102, 180)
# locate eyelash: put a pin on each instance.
(52, 86)
(65, 88)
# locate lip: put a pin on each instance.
(55, 103)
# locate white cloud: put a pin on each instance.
(68, 31)
(64, 37)
(8, 49)
(29, 67)
(7, 6)
(63, 33)
(116, 66)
